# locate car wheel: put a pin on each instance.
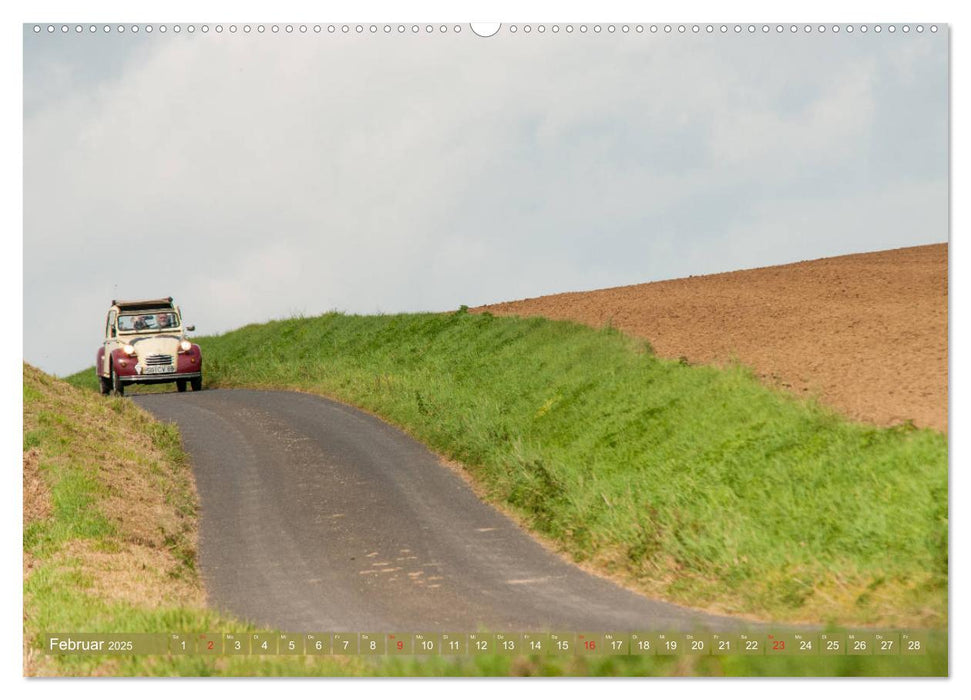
(180, 384)
(196, 383)
(105, 385)
(117, 385)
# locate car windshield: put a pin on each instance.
(147, 323)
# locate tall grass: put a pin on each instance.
(692, 483)
(75, 542)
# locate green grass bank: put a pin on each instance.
(110, 534)
(695, 484)
(109, 546)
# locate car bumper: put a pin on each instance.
(157, 378)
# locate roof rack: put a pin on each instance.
(143, 304)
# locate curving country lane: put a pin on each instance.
(316, 516)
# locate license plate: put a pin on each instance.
(160, 369)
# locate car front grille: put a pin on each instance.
(153, 360)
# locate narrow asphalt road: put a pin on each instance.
(316, 516)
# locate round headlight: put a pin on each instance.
(185, 345)
(129, 349)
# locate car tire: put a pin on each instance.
(105, 385)
(180, 384)
(196, 383)
(116, 385)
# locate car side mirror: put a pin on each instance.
(190, 328)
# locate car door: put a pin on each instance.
(111, 341)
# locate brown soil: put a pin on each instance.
(865, 333)
(37, 497)
(129, 573)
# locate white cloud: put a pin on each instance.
(254, 177)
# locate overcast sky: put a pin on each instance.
(259, 176)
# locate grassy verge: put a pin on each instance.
(109, 536)
(695, 484)
(109, 533)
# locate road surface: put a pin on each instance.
(318, 517)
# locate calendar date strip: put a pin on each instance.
(471, 643)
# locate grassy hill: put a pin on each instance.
(109, 536)
(109, 546)
(690, 483)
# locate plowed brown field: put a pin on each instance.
(865, 333)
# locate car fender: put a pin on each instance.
(190, 360)
(124, 365)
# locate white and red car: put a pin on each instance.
(145, 343)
